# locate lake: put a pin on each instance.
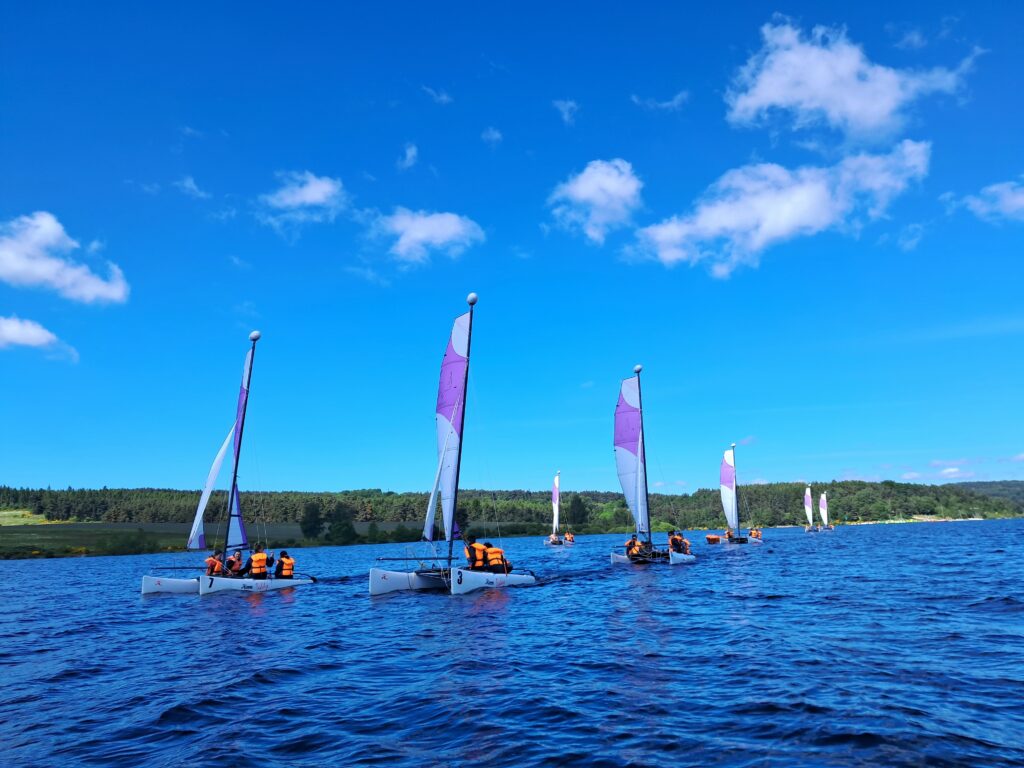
(896, 645)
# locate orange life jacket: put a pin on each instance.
(476, 554)
(632, 546)
(495, 556)
(213, 566)
(287, 566)
(234, 564)
(570, 537)
(259, 563)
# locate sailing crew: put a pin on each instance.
(569, 537)
(632, 546)
(476, 554)
(553, 538)
(215, 563)
(234, 563)
(285, 567)
(678, 544)
(496, 562)
(258, 564)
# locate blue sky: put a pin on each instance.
(807, 225)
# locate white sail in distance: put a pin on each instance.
(807, 506)
(823, 509)
(555, 503)
(727, 483)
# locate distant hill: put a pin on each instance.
(999, 489)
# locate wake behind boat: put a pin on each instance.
(436, 571)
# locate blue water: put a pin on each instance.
(873, 645)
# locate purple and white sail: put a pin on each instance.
(449, 416)
(823, 509)
(727, 481)
(807, 506)
(629, 452)
(197, 537)
(555, 502)
(237, 537)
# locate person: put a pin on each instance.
(285, 568)
(728, 533)
(234, 563)
(569, 537)
(553, 538)
(256, 567)
(632, 546)
(496, 562)
(675, 542)
(755, 533)
(476, 554)
(215, 563)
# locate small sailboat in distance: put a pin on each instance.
(730, 497)
(823, 511)
(630, 462)
(553, 540)
(436, 571)
(809, 528)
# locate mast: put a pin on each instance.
(253, 337)
(471, 300)
(643, 452)
(736, 483)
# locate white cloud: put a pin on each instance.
(419, 232)
(672, 105)
(24, 333)
(910, 476)
(998, 202)
(756, 206)
(827, 78)
(408, 158)
(912, 39)
(439, 97)
(910, 237)
(600, 198)
(492, 136)
(567, 108)
(954, 473)
(188, 186)
(303, 197)
(32, 254)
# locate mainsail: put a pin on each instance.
(554, 505)
(450, 412)
(823, 509)
(807, 506)
(236, 535)
(629, 451)
(727, 480)
(197, 537)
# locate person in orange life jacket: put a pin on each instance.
(496, 562)
(285, 568)
(569, 536)
(214, 563)
(476, 554)
(632, 546)
(234, 563)
(258, 564)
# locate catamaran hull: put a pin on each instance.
(382, 582)
(464, 580)
(678, 558)
(151, 585)
(210, 584)
(618, 559)
(550, 543)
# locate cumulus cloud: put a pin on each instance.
(826, 78)
(600, 198)
(33, 253)
(189, 187)
(567, 108)
(671, 105)
(910, 476)
(439, 97)
(15, 332)
(303, 197)
(954, 473)
(756, 206)
(998, 202)
(408, 157)
(492, 136)
(419, 232)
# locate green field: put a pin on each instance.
(21, 517)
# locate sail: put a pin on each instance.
(807, 506)
(197, 537)
(451, 409)
(555, 504)
(823, 509)
(629, 452)
(237, 536)
(727, 480)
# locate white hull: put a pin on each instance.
(154, 584)
(464, 580)
(210, 584)
(382, 582)
(549, 543)
(678, 558)
(617, 558)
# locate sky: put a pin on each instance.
(807, 223)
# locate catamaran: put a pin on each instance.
(553, 540)
(809, 528)
(730, 497)
(631, 465)
(235, 536)
(823, 511)
(435, 570)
